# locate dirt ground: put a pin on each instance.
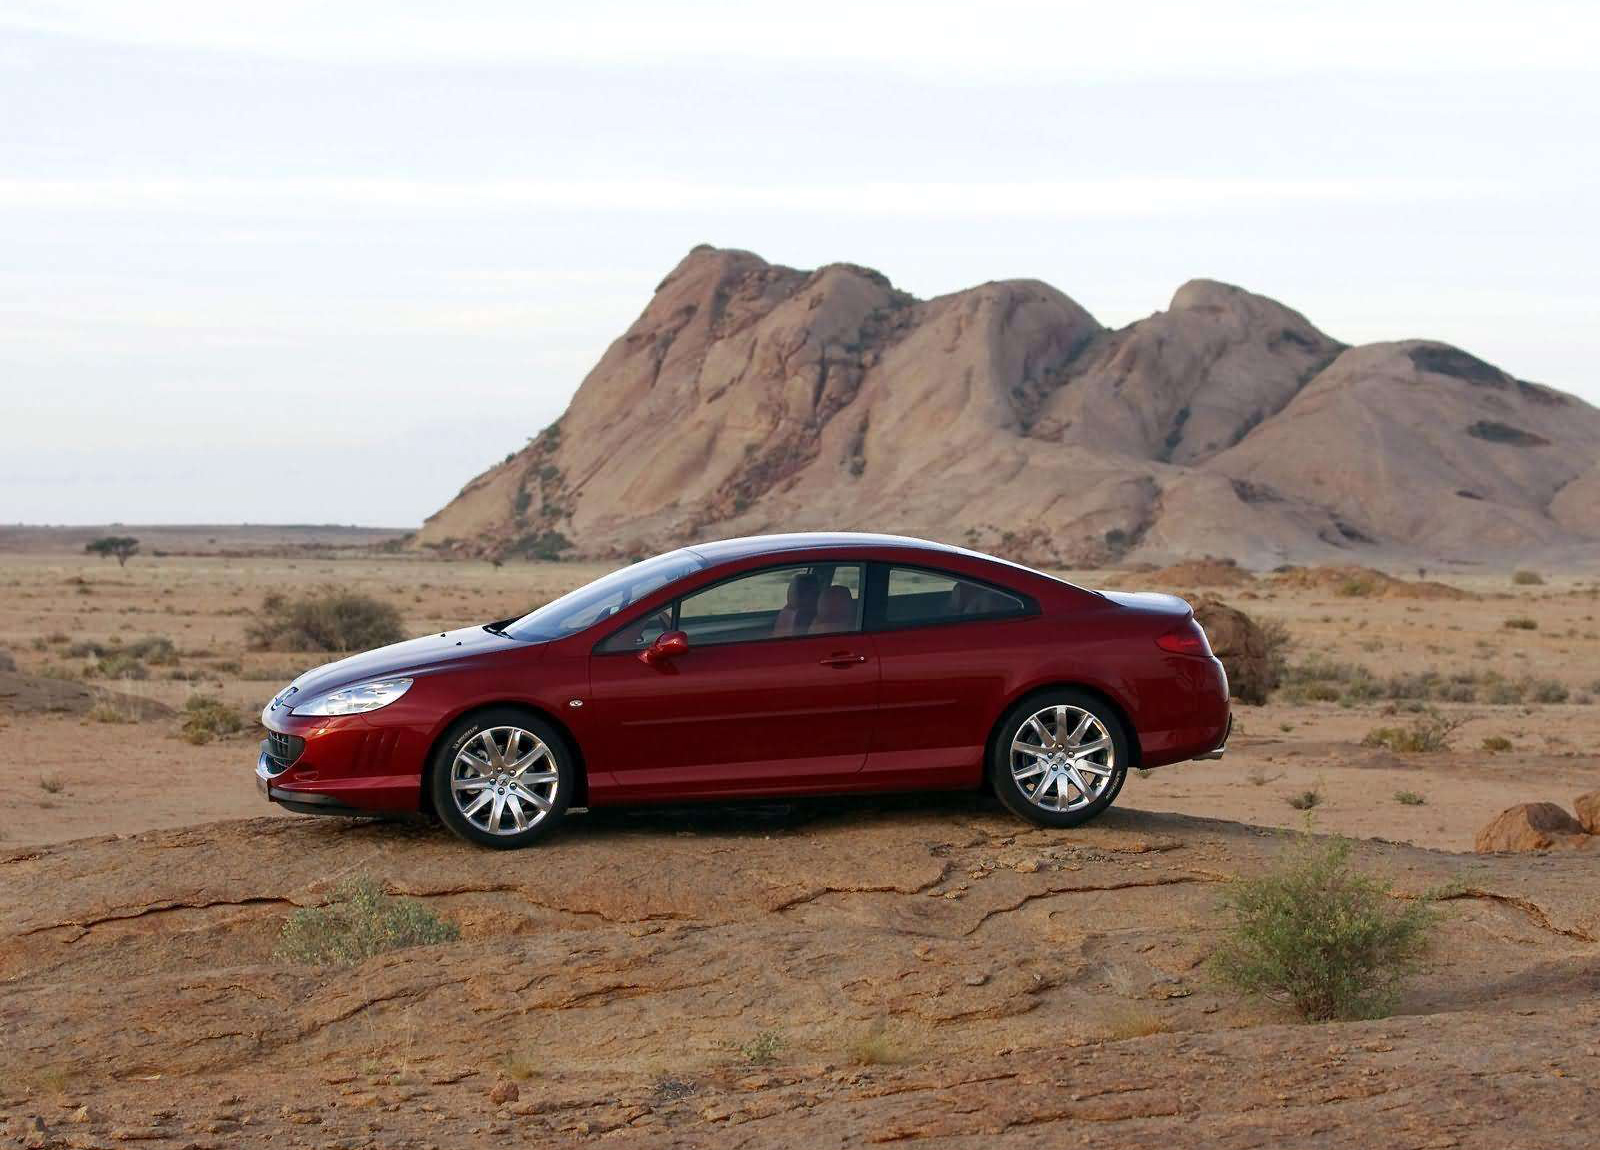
(49, 763)
(831, 973)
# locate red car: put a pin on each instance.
(775, 665)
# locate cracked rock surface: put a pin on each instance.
(822, 974)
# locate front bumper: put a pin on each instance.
(303, 802)
(341, 765)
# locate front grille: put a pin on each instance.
(282, 749)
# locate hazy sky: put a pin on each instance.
(323, 262)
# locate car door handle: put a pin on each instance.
(842, 659)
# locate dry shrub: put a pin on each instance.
(876, 1046)
(206, 717)
(1431, 732)
(361, 921)
(326, 620)
(1527, 579)
(1320, 937)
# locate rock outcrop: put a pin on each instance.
(750, 397)
(1534, 827)
(1242, 646)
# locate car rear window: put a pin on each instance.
(916, 595)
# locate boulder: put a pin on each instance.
(1588, 808)
(1242, 646)
(1533, 827)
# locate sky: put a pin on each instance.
(323, 262)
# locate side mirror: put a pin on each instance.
(668, 645)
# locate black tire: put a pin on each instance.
(495, 724)
(1011, 792)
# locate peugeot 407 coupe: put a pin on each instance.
(778, 665)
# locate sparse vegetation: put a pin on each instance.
(1327, 681)
(1527, 579)
(875, 1046)
(361, 921)
(206, 717)
(521, 1065)
(52, 784)
(1496, 744)
(1305, 800)
(1521, 623)
(327, 620)
(1430, 732)
(107, 711)
(1134, 1020)
(1410, 799)
(763, 1049)
(1316, 935)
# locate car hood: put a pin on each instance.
(420, 656)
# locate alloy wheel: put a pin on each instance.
(1062, 758)
(504, 780)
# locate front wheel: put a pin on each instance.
(1060, 758)
(502, 778)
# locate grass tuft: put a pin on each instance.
(763, 1049)
(361, 921)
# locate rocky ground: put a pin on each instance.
(830, 973)
(818, 975)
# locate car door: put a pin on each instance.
(946, 644)
(777, 692)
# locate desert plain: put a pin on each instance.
(839, 972)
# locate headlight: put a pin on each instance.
(354, 700)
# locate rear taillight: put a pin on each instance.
(1189, 639)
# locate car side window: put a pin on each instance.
(639, 634)
(915, 596)
(776, 603)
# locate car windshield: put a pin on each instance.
(603, 598)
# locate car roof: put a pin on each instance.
(723, 550)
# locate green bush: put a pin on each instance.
(206, 717)
(1431, 732)
(1323, 939)
(327, 620)
(360, 922)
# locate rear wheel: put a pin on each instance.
(1060, 758)
(502, 778)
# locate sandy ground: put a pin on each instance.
(919, 969)
(57, 771)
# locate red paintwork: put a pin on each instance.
(901, 709)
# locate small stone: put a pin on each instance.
(503, 1091)
(81, 1114)
(1028, 866)
(977, 979)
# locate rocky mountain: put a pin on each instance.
(750, 397)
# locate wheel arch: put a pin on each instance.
(1135, 756)
(580, 799)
